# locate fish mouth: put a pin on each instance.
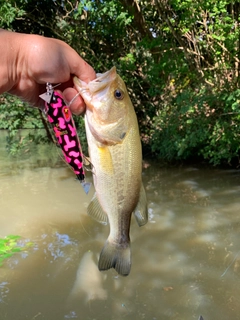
(102, 81)
(106, 76)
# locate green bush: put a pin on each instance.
(199, 124)
(180, 61)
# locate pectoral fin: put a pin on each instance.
(105, 157)
(95, 211)
(141, 211)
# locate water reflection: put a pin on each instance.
(89, 281)
(186, 260)
(4, 290)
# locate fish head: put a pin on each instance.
(106, 96)
(107, 107)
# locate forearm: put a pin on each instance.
(9, 49)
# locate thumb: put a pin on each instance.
(79, 67)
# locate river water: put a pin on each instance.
(185, 261)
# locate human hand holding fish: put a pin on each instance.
(29, 61)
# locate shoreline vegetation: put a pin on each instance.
(179, 59)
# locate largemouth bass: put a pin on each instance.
(116, 157)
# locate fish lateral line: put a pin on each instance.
(63, 129)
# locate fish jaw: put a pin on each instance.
(95, 92)
(102, 80)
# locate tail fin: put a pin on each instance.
(113, 256)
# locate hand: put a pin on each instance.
(34, 60)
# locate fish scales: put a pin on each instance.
(116, 156)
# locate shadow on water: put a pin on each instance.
(185, 261)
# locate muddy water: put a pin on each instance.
(185, 261)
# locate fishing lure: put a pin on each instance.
(61, 121)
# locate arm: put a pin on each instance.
(29, 61)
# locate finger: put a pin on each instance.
(80, 67)
(85, 72)
(77, 104)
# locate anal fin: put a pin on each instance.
(141, 211)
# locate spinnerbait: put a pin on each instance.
(60, 118)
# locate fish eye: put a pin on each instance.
(118, 94)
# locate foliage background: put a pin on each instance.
(179, 59)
